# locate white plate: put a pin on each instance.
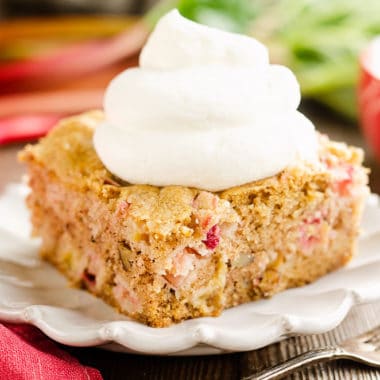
(32, 291)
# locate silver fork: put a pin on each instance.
(364, 348)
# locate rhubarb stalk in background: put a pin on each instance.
(75, 61)
(21, 128)
(35, 93)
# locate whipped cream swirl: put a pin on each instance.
(204, 109)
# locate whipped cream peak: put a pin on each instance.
(178, 42)
(205, 109)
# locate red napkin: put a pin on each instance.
(26, 353)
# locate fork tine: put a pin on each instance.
(374, 340)
(370, 336)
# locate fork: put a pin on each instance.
(364, 349)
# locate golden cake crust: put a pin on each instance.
(79, 165)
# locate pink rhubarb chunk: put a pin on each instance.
(212, 237)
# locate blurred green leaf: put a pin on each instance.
(232, 15)
(320, 40)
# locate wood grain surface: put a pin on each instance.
(233, 366)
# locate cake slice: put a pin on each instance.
(163, 255)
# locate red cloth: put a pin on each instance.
(26, 353)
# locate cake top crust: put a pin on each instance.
(68, 154)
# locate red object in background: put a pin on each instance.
(36, 92)
(24, 128)
(28, 114)
(74, 61)
(369, 95)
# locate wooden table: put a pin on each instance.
(233, 366)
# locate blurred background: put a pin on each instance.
(57, 56)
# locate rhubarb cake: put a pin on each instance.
(199, 187)
(162, 255)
